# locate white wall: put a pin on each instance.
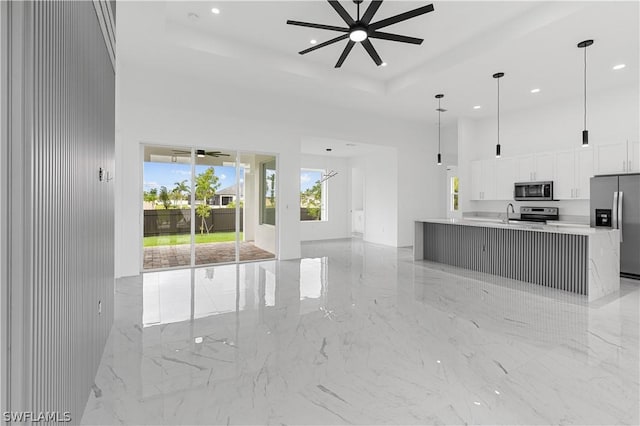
(338, 214)
(158, 106)
(612, 117)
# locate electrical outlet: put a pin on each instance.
(99, 307)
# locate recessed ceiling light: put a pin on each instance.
(313, 41)
(215, 11)
(535, 90)
(619, 67)
(384, 64)
(477, 107)
(328, 149)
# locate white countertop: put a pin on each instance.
(497, 223)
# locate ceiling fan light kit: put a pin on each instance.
(361, 29)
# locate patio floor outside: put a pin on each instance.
(180, 255)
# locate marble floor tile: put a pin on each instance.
(356, 333)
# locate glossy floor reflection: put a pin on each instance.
(356, 333)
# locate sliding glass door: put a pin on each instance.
(207, 206)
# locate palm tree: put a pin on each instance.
(182, 188)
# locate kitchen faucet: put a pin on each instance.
(506, 219)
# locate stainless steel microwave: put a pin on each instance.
(533, 191)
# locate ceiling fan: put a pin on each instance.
(201, 153)
(360, 30)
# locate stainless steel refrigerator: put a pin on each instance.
(615, 203)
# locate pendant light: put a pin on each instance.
(498, 76)
(440, 110)
(585, 132)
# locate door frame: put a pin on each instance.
(238, 153)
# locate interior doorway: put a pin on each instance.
(204, 206)
(452, 193)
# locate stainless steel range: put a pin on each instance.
(537, 215)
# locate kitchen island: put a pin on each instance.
(575, 259)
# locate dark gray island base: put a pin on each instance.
(580, 260)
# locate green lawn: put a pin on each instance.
(172, 240)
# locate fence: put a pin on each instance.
(178, 221)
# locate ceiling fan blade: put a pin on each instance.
(217, 154)
(343, 13)
(345, 53)
(319, 26)
(395, 37)
(401, 17)
(326, 43)
(371, 10)
(372, 52)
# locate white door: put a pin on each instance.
(453, 191)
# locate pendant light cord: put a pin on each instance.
(358, 5)
(498, 110)
(439, 112)
(585, 88)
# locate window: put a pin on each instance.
(313, 193)
(268, 191)
(226, 199)
(454, 194)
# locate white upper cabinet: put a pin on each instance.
(489, 179)
(483, 180)
(633, 157)
(564, 182)
(612, 158)
(476, 177)
(573, 171)
(544, 166)
(526, 164)
(584, 173)
(538, 167)
(506, 174)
